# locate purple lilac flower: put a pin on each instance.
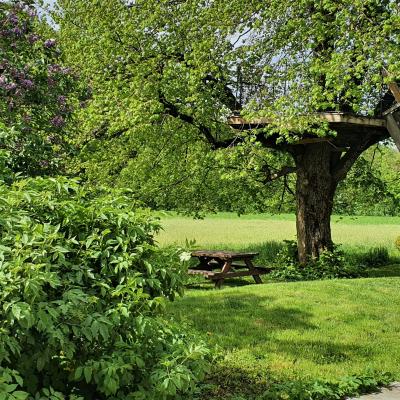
(13, 18)
(53, 68)
(33, 38)
(32, 12)
(58, 121)
(3, 81)
(62, 99)
(49, 43)
(65, 70)
(16, 73)
(53, 139)
(27, 83)
(43, 163)
(10, 86)
(19, 5)
(17, 31)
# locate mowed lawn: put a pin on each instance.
(237, 232)
(277, 332)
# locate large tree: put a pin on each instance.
(168, 75)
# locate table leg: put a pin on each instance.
(227, 266)
(251, 268)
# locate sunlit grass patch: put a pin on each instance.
(302, 330)
(236, 232)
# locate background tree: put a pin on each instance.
(166, 76)
(372, 185)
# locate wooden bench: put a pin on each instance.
(228, 263)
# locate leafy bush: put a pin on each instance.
(82, 287)
(330, 265)
(327, 390)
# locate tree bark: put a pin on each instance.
(315, 190)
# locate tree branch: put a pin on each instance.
(344, 165)
(174, 111)
(283, 172)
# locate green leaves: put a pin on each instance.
(167, 76)
(10, 382)
(327, 390)
(82, 289)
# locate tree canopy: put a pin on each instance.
(167, 75)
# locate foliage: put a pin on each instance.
(330, 265)
(327, 390)
(166, 76)
(81, 292)
(37, 92)
(372, 185)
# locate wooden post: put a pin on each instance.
(225, 269)
(393, 129)
(251, 268)
(394, 88)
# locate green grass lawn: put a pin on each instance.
(301, 331)
(237, 232)
(277, 332)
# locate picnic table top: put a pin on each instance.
(223, 255)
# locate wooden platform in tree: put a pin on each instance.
(348, 126)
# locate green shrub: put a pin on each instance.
(330, 265)
(327, 390)
(82, 288)
(397, 243)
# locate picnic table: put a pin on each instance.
(219, 265)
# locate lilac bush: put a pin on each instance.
(37, 92)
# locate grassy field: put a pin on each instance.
(237, 232)
(278, 332)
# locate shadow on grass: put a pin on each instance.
(386, 271)
(319, 351)
(255, 332)
(201, 283)
(241, 320)
(232, 379)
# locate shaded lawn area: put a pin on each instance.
(299, 330)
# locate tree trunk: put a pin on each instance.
(315, 190)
